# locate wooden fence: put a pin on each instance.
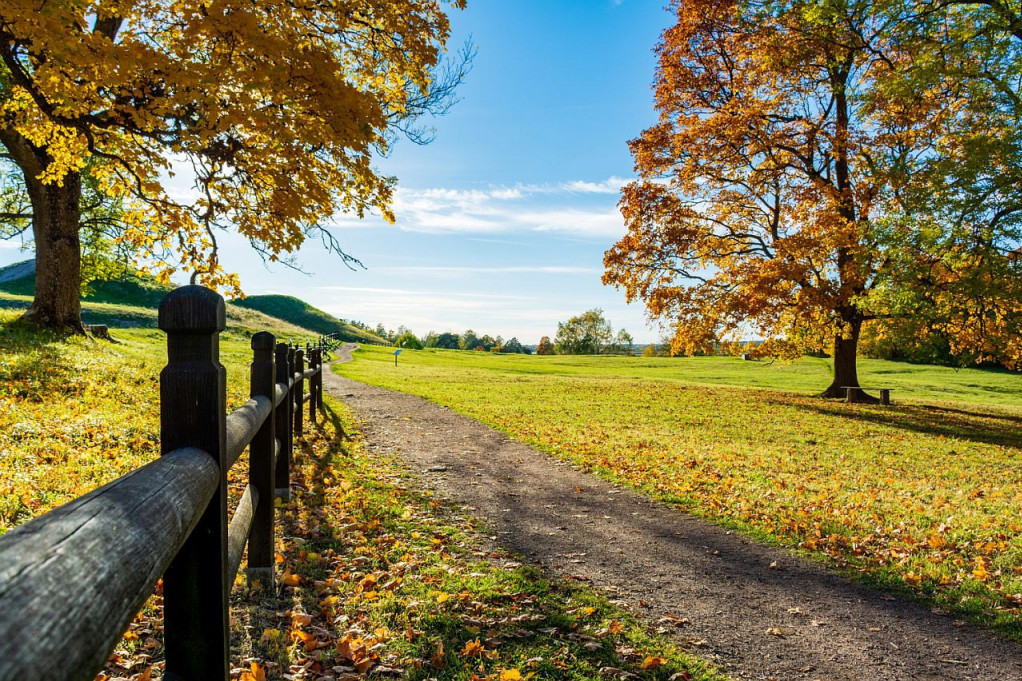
(72, 580)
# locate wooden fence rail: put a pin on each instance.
(72, 580)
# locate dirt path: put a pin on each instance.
(756, 611)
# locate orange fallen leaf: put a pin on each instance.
(254, 673)
(472, 649)
(308, 640)
(510, 675)
(653, 662)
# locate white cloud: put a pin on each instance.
(611, 185)
(579, 207)
(527, 269)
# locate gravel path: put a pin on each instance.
(756, 611)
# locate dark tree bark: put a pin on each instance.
(846, 343)
(56, 217)
(845, 367)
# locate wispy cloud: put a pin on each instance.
(579, 207)
(524, 269)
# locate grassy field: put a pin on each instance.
(924, 496)
(376, 577)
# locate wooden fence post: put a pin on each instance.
(299, 390)
(193, 413)
(261, 461)
(319, 379)
(313, 383)
(282, 425)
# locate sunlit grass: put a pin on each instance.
(374, 575)
(77, 413)
(925, 495)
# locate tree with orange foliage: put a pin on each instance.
(772, 192)
(276, 107)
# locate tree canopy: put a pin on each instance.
(584, 334)
(276, 108)
(781, 192)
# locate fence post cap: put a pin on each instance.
(263, 340)
(194, 309)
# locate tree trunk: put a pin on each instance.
(55, 228)
(845, 369)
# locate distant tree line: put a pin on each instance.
(586, 334)
(468, 340)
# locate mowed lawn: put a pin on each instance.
(924, 495)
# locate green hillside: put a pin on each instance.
(301, 313)
(135, 290)
(131, 301)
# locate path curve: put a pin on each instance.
(756, 611)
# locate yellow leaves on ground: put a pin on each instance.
(653, 662)
(255, 672)
(473, 649)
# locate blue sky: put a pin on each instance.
(503, 220)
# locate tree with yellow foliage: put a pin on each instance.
(277, 109)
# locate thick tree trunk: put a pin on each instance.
(55, 228)
(58, 255)
(845, 370)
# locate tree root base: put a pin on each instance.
(38, 318)
(858, 397)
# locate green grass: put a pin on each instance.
(301, 313)
(808, 375)
(924, 496)
(373, 571)
(384, 576)
(76, 413)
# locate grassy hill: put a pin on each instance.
(131, 289)
(301, 313)
(132, 299)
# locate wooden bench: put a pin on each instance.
(885, 393)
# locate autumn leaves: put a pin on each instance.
(818, 171)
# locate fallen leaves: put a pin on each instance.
(255, 672)
(653, 662)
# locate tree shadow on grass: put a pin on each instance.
(37, 364)
(403, 582)
(996, 428)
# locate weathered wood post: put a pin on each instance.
(299, 390)
(313, 384)
(282, 425)
(261, 462)
(319, 379)
(193, 413)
